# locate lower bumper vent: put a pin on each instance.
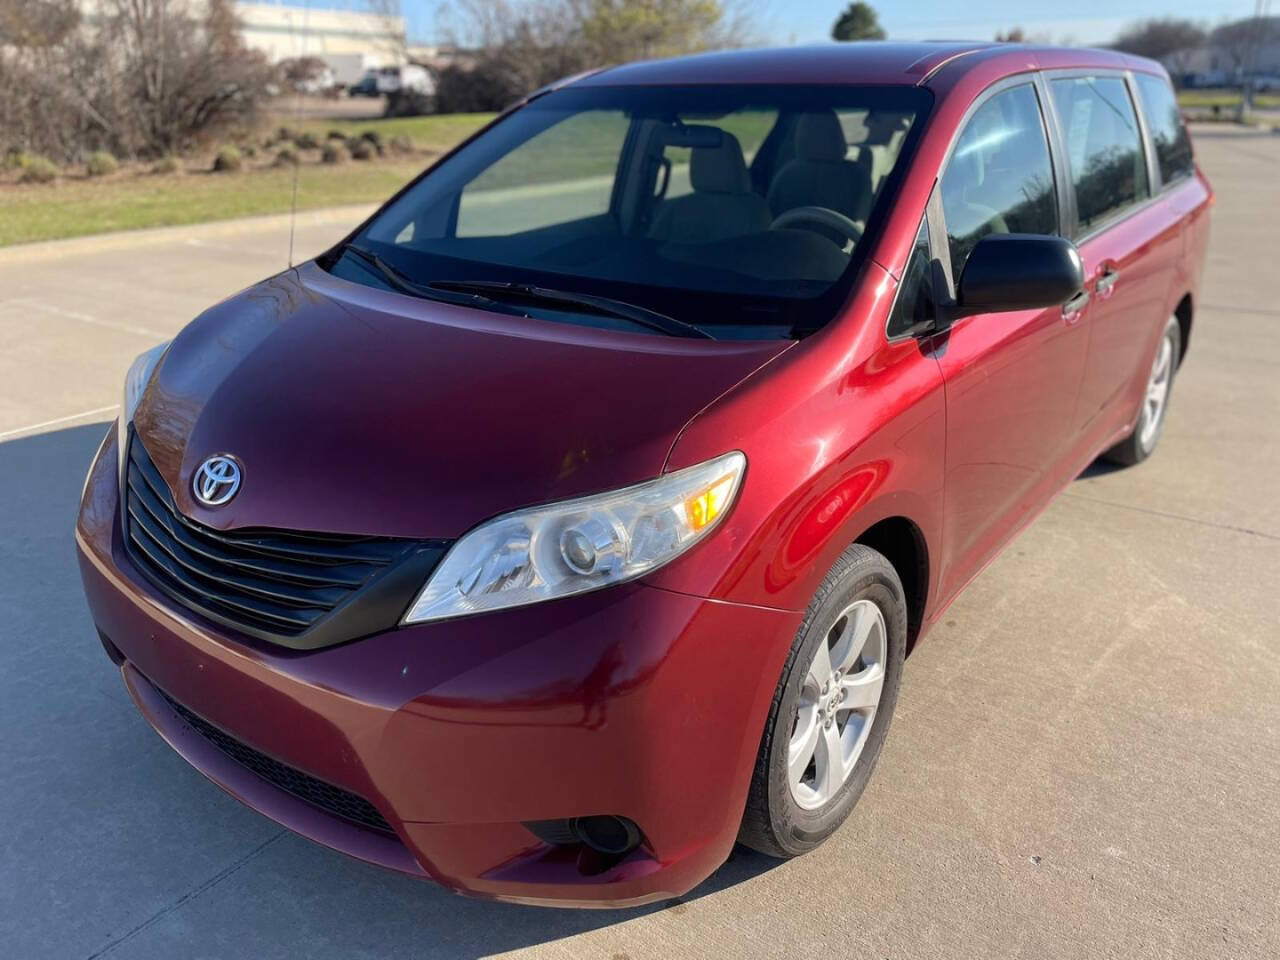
(332, 800)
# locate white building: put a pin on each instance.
(286, 30)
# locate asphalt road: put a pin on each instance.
(1085, 762)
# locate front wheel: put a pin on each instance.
(1155, 401)
(832, 707)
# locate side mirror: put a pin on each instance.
(1018, 271)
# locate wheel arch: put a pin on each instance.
(901, 541)
(1183, 312)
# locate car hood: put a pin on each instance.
(356, 410)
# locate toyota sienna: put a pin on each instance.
(572, 518)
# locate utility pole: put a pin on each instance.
(1261, 9)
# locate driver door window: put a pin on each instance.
(999, 178)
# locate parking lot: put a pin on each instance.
(1085, 760)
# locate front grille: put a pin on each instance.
(331, 799)
(271, 584)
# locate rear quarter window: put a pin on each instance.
(1164, 120)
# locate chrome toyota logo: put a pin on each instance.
(216, 481)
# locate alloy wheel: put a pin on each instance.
(1157, 396)
(837, 704)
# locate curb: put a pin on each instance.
(132, 239)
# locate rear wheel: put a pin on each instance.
(1155, 401)
(832, 707)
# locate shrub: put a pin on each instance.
(401, 144)
(335, 153)
(249, 150)
(167, 164)
(374, 139)
(409, 103)
(360, 149)
(16, 159)
(287, 157)
(307, 141)
(227, 160)
(336, 135)
(39, 170)
(100, 163)
(286, 134)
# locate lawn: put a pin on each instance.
(135, 199)
(1224, 98)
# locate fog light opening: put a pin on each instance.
(607, 834)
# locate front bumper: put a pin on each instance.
(633, 701)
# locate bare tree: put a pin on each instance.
(1161, 38)
(149, 78)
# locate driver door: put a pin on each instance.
(1011, 379)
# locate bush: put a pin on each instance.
(227, 160)
(16, 159)
(336, 135)
(167, 164)
(307, 141)
(287, 157)
(374, 139)
(100, 163)
(38, 170)
(335, 153)
(55, 76)
(360, 149)
(409, 103)
(286, 135)
(401, 144)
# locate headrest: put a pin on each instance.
(719, 169)
(819, 136)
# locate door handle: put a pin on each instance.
(1073, 308)
(1106, 280)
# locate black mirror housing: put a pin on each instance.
(1018, 271)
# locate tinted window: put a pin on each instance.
(1173, 146)
(1104, 150)
(999, 178)
(915, 303)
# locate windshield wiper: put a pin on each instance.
(602, 305)
(398, 281)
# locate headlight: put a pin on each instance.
(579, 545)
(135, 382)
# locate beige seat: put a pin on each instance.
(819, 175)
(722, 204)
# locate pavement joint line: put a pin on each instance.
(187, 897)
(1172, 516)
(57, 420)
(84, 317)
(1226, 309)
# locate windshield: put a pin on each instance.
(740, 209)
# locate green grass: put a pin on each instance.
(1224, 98)
(74, 208)
(135, 199)
(427, 133)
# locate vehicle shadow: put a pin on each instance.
(114, 838)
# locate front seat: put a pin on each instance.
(722, 204)
(819, 175)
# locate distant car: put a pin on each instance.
(366, 86)
(571, 520)
(409, 78)
(322, 81)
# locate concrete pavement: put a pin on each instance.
(1085, 761)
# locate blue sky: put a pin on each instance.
(809, 21)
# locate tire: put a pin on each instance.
(860, 586)
(1141, 442)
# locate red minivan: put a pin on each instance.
(571, 519)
